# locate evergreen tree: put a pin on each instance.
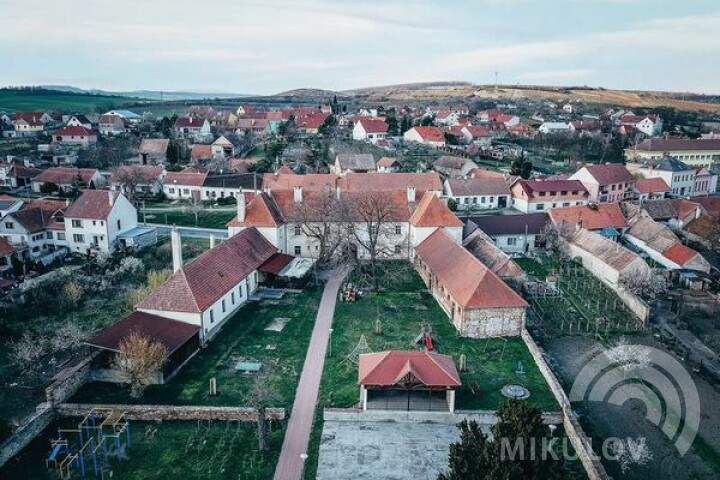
(393, 128)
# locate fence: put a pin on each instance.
(171, 412)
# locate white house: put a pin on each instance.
(431, 136)
(370, 129)
(650, 125)
(146, 180)
(478, 193)
(186, 184)
(35, 228)
(68, 177)
(542, 195)
(549, 128)
(74, 136)
(192, 127)
(94, 221)
(678, 175)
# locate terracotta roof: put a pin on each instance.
(34, 218)
(359, 161)
(532, 223)
(262, 211)
(172, 334)
(484, 249)
(32, 118)
(370, 182)
(609, 173)
(286, 170)
(78, 131)
(706, 227)
(311, 121)
(550, 186)
(312, 181)
(431, 212)
(5, 247)
(469, 282)
(677, 144)
(393, 367)
(680, 254)
(710, 204)
(201, 151)
(430, 134)
(143, 173)
(667, 208)
(591, 217)
(276, 263)
(448, 161)
(386, 162)
(478, 186)
(92, 204)
(373, 125)
(204, 280)
(651, 185)
(607, 251)
(185, 179)
(485, 173)
(154, 146)
(477, 131)
(65, 175)
(189, 122)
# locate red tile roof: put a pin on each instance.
(36, 218)
(189, 122)
(375, 182)
(590, 217)
(171, 333)
(312, 181)
(431, 212)
(386, 162)
(478, 186)
(477, 131)
(286, 170)
(145, 174)
(311, 121)
(430, 134)
(78, 131)
(384, 369)
(92, 204)
(651, 185)
(710, 204)
(373, 125)
(203, 281)
(677, 144)
(201, 151)
(5, 247)
(65, 175)
(276, 263)
(680, 254)
(185, 179)
(610, 173)
(262, 211)
(470, 283)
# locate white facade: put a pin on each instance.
(556, 127)
(543, 206)
(682, 183)
(85, 234)
(359, 133)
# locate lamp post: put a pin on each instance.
(303, 457)
(330, 343)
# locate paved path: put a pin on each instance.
(190, 232)
(297, 436)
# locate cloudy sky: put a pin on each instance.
(267, 46)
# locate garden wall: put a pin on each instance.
(69, 380)
(30, 429)
(171, 412)
(573, 430)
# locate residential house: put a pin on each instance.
(16, 173)
(197, 129)
(650, 125)
(430, 215)
(478, 193)
(710, 205)
(484, 249)
(112, 125)
(310, 124)
(705, 182)
(431, 136)
(80, 136)
(606, 219)
(222, 147)
(36, 228)
(7, 250)
(539, 195)
(551, 128)
(27, 124)
(454, 167)
(186, 184)
(695, 153)
(476, 134)
(153, 151)
(258, 126)
(678, 175)
(9, 204)
(388, 165)
(650, 189)
(478, 302)
(352, 163)
(200, 152)
(522, 130)
(67, 178)
(506, 121)
(79, 120)
(513, 234)
(127, 115)
(675, 212)
(370, 129)
(144, 180)
(222, 185)
(210, 289)
(606, 183)
(96, 218)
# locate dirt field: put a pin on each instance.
(602, 420)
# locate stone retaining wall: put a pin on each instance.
(482, 417)
(171, 412)
(69, 380)
(31, 428)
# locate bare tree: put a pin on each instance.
(649, 286)
(374, 218)
(73, 293)
(138, 360)
(319, 218)
(130, 178)
(28, 351)
(261, 395)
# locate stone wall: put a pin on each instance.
(69, 380)
(31, 428)
(171, 412)
(493, 322)
(590, 461)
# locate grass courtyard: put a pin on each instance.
(205, 218)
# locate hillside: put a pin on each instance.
(40, 99)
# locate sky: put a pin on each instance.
(269, 46)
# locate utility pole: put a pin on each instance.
(496, 81)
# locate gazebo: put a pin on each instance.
(407, 381)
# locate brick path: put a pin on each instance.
(297, 436)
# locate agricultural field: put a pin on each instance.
(12, 100)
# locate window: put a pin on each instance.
(297, 230)
(542, 194)
(398, 229)
(566, 204)
(482, 199)
(94, 223)
(512, 241)
(563, 192)
(223, 305)
(212, 316)
(232, 297)
(375, 229)
(466, 200)
(186, 191)
(540, 206)
(49, 235)
(240, 291)
(77, 223)
(78, 238)
(118, 224)
(9, 225)
(298, 249)
(398, 248)
(475, 200)
(61, 236)
(171, 190)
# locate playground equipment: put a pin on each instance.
(97, 437)
(425, 336)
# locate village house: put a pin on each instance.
(352, 163)
(67, 178)
(112, 125)
(222, 185)
(200, 152)
(431, 136)
(606, 219)
(210, 289)
(675, 212)
(145, 180)
(606, 183)
(258, 126)
(35, 229)
(513, 234)
(678, 175)
(27, 124)
(695, 153)
(478, 193)
(96, 218)
(186, 184)
(197, 129)
(650, 125)
(79, 120)
(522, 130)
(17, 173)
(310, 124)
(407, 381)
(484, 249)
(80, 136)
(388, 165)
(370, 129)
(650, 189)
(222, 147)
(478, 302)
(476, 134)
(153, 151)
(705, 182)
(127, 115)
(540, 195)
(454, 167)
(551, 128)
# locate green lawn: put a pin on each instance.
(534, 267)
(205, 218)
(11, 100)
(243, 337)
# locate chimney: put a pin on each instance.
(176, 247)
(111, 198)
(411, 194)
(241, 206)
(67, 202)
(337, 192)
(297, 194)
(212, 241)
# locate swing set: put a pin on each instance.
(100, 434)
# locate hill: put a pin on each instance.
(42, 99)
